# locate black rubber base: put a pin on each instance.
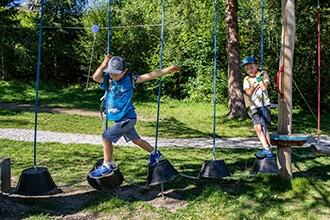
(161, 172)
(214, 169)
(35, 181)
(265, 166)
(107, 183)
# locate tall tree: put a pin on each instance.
(236, 105)
(61, 49)
(9, 25)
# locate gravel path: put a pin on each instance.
(65, 138)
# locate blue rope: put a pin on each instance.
(262, 34)
(262, 61)
(160, 67)
(214, 75)
(263, 113)
(37, 88)
(108, 52)
(109, 18)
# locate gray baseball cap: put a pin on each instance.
(116, 65)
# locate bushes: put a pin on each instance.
(135, 35)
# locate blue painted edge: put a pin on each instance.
(294, 137)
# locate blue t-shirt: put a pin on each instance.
(119, 96)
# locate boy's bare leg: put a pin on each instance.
(154, 156)
(268, 138)
(143, 144)
(107, 150)
(107, 168)
(260, 133)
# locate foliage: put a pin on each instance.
(59, 48)
(71, 51)
(306, 57)
(9, 25)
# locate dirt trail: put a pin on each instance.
(60, 110)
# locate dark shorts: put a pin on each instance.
(257, 115)
(123, 128)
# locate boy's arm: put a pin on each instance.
(249, 91)
(263, 84)
(98, 74)
(247, 88)
(158, 73)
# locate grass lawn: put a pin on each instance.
(240, 196)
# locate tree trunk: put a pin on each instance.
(236, 104)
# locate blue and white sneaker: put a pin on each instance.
(154, 158)
(264, 153)
(101, 171)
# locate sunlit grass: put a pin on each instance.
(184, 120)
(236, 197)
(177, 119)
(240, 196)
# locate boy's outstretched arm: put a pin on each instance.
(98, 74)
(158, 73)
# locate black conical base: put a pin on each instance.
(214, 169)
(161, 172)
(265, 166)
(35, 181)
(108, 183)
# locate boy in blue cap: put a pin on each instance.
(119, 85)
(255, 86)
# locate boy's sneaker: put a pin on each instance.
(154, 157)
(101, 171)
(270, 154)
(264, 153)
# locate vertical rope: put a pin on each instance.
(37, 87)
(160, 67)
(262, 35)
(160, 82)
(318, 70)
(109, 19)
(214, 75)
(262, 61)
(108, 52)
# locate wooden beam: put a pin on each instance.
(285, 104)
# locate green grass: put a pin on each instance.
(237, 197)
(240, 196)
(177, 119)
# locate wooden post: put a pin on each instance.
(284, 161)
(5, 176)
(285, 104)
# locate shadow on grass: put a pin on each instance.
(303, 156)
(58, 205)
(174, 128)
(235, 194)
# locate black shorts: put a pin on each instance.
(257, 115)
